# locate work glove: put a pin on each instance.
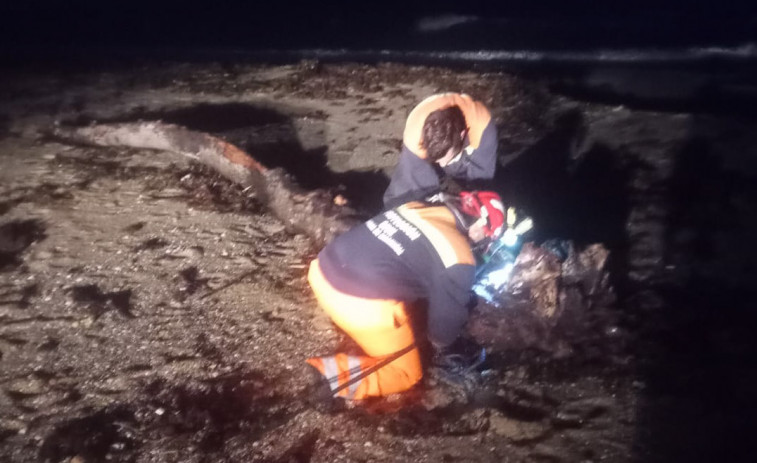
(447, 359)
(456, 371)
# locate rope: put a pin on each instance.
(385, 361)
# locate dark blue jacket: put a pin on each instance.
(412, 252)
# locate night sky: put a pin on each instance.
(58, 24)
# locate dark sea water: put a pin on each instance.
(516, 30)
(653, 54)
(673, 60)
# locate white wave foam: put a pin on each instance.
(443, 22)
(746, 53)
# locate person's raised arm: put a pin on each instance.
(413, 179)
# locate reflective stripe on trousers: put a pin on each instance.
(339, 369)
(380, 328)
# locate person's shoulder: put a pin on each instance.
(438, 225)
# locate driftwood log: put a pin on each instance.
(313, 213)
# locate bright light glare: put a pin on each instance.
(499, 277)
(524, 226)
(510, 238)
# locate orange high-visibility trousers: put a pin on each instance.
(381, 328)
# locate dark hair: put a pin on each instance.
(441, 131)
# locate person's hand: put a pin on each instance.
(451, 361)
(455, 370)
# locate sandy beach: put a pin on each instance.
(152, 311)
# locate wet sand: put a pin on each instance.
(152, 311)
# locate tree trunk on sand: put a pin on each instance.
(312, 213)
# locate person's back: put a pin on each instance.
(367, 278)
(409, 253)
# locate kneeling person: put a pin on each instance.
(366, 279)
